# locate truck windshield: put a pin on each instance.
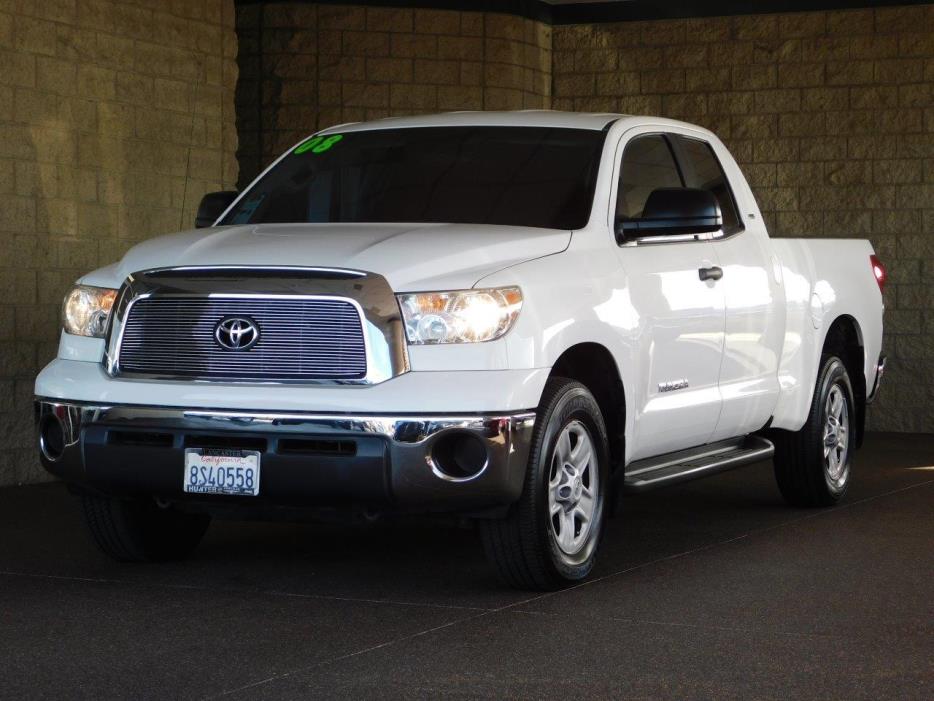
(521, 176)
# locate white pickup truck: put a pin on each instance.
(515, 317)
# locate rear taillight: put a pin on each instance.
(878, 270)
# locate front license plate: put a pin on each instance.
(216, 471)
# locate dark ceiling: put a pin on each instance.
(591, 11)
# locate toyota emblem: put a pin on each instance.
(236, 333)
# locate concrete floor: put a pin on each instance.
(713, 589)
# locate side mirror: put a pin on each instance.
(212, 206)
(674, 210)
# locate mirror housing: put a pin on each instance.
(670, 211)
(212, 206)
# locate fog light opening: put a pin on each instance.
(51, 438)
(458, 457)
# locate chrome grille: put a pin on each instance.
(299, 338)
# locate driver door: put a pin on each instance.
(680, 337)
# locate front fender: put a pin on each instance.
(568, 299)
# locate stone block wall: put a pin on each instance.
(830, 114)
(115, 117)
(306, 66)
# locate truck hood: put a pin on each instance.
(410, 256)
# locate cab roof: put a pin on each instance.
(523, 118)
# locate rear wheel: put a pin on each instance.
(550, 537)
(141, 531)
(812, 466)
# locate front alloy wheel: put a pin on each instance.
(573, 488)
(549, 538)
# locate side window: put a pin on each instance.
(648, 164)
(702, 170)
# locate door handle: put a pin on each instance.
(714, 273)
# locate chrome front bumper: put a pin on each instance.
(307, 459)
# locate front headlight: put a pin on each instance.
(85, 310)
(468, 316)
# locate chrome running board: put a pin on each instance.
(694, 463)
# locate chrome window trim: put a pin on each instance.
(385, 346)
(673, 238)
(681, 238)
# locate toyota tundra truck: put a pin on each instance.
(516, 318)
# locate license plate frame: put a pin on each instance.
(221, 471)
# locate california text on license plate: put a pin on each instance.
(218, 471)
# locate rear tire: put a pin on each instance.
(141, 531)
(812, 465)
(549, 538)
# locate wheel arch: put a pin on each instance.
(844, 339)
(594, 366)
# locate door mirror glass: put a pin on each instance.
(672, 211)
(212, 206)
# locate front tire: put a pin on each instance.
(141, 531)
(550, 537)
(812, 465)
